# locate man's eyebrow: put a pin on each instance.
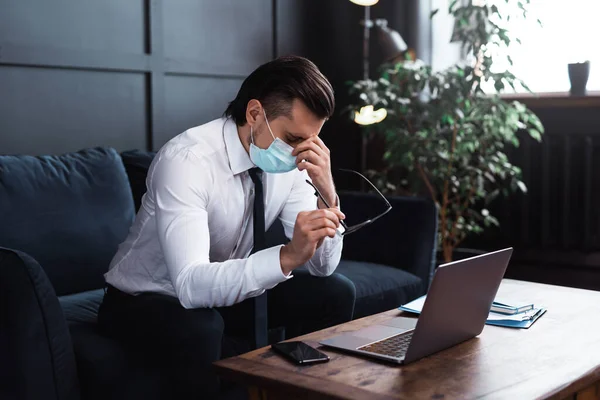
(294, 135)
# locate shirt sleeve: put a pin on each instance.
(302, 198)
(181, 184)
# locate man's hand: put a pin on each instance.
(313, 156)
(309, 232)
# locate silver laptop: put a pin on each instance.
(455, 310)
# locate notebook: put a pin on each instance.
(504, 308)
(520, 320)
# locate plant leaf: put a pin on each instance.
(451, 6)
(534, 133)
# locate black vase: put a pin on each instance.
(578, 75)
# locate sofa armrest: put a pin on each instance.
(37, 353)
(137, 163)
(405, 238)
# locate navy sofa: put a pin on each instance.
(61, 220)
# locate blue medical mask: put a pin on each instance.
(275, 159)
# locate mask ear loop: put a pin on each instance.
(268, 126)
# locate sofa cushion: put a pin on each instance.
(404, 238)
(69, 212)
(137, 163)
(82, 307)
(379, 287)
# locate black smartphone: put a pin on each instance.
(300, 352)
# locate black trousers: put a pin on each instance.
(181, 342)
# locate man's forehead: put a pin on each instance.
(302, 124)
(303, 130)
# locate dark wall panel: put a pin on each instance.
(50, 111)
(192, 101)
(224, 37)
(125, 74)
(558, 221)
(108, 25)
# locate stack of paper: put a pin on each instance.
(520, 320)
(514, 320)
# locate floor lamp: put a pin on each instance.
(392, 46)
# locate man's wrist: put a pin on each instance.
(287, 260)
(332, 203)
(330, 197)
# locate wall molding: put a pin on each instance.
(152, 62)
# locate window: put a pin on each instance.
(570, 33)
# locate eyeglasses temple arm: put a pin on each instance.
(319, 195)
(382, 214)
(373, 186)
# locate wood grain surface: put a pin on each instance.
(557, 358)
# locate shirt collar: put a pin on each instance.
(239, 160)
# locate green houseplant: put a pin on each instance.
(445, 137)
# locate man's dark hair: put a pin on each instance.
(278, 83)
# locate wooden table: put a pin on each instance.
(557, 358)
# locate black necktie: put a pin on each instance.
(259, 211)
(260, 302)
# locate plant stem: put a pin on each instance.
(465, 205)
(447, 251)
(447, 243)
(425, 180)
(460, 213)
(408, 125)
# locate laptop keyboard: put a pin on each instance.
(394, 346)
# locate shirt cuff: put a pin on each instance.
(266, 265)
(328, 243)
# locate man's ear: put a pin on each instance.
(253, 110)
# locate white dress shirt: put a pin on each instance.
(193, 233)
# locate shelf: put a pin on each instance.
(555, 99)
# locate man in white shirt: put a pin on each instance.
(181, 277)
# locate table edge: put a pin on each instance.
(588, 378)
(255, 373)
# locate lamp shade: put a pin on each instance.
(365, 2)
(391, 43)
(368, 115)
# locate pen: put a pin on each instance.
(534, 316)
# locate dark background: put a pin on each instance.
(132, 74)
(555, 227)
(126, 74)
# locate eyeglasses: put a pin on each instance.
(350, 229)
